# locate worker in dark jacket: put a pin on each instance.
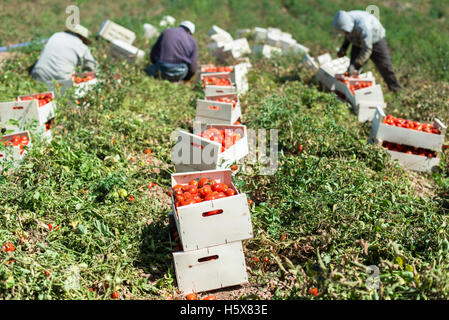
(367, 36)
(175, 54)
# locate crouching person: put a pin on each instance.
(63, 52)
(175, 54)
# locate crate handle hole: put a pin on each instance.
(212, 213)
(209, 258)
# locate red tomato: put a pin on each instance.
(202, 182)
(230, 192)
(219, 187)
(204, 191)
(189, 201)
(192, 189)
(176, 187)
(191, 296)
(209, 298)
(193, 183)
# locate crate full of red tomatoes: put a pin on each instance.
(46, 106)
(215, 146)
(219, 109)
(20, 115)
(83, 82)
(218, 83)
(414, 144)
(209, 210)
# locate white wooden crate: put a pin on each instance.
(415, 162)
(81, 89)
(211, 90)
(375, 94)
(203, 154)
(298, 48)
(260, 34)
(45, 112)
(13, 153)
(380, 131)
(24, 112)
(266, 50)
(217, 30)
(215, 112)
(326, 72)
(112, 31)
(310, 62)
(324, 58)
(195, 275)
(120, 49)
(197, 231)
(237, 49)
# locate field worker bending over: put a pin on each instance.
(62, 53)
(175, 54)
(367, 36)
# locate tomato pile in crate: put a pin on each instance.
(414, 144)
(218, 109)
(211, 218)
(42, 98)
(213, 147)
(217, 84)
(83, 83)
(212, 69)
(353, 83)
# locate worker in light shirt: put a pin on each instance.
(367, 36)
(63, 52)
(175, 54)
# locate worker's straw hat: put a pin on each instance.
(81, 31)
(188, 25)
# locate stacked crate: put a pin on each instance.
(20, 115)
(210, 233)
(362, 92)
(220, 109)
(423, 148)
(224, 47)
(363, 101)
(83, 83)
(275, 40)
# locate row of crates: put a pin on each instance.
(210, 255)
(219, 109)
(413, 149)
(34, 115)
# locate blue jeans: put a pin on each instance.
(168, 71)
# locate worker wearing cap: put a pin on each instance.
(63, 52)
(175, 54)
(367, 36)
